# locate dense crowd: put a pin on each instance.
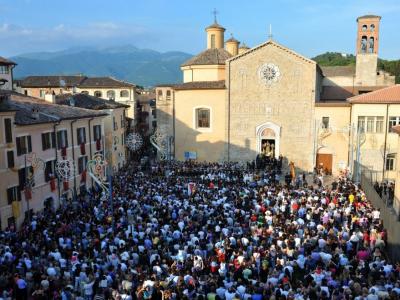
(204, 231)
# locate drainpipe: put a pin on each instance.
(229, 111)
(56, 152)
(384, 145)
(173, 120)
(73, 153)
(90, 144)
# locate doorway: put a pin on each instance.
(324, 161)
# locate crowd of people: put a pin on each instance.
(186, 230)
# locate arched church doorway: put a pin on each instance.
(268, 139)
(324, 160)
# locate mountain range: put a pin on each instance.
(143, 67)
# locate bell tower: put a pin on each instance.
(367, 50)
(215, 34)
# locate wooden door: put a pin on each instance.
(325, 160)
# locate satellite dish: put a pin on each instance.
(62, 82)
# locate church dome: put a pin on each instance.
(214, 56)
(215, 25)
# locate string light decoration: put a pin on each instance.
(38, 166)
(96, 168)
(65, 169)
(134, 141)
(158, 140)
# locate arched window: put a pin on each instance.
(363, 45)
(85, 92)
(212, 41)
(111, 94)
(98, 94)
(371, 45)
(124, 94)
(372, 28)
(203, 118)
(364, 28)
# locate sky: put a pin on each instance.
(310, 27)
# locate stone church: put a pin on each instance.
(236, 102)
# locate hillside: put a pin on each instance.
(140, 66)
(338, 59)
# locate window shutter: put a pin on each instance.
(53, 140)
(10, 159)
(29, 143)
(66, 138)
(44, 141)
(18, 140)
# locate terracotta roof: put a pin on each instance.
(332, 103)
(201, 85)
(209, 57)
(338, 71)
(86, 101)
(71, 81)
(4, 61)
(52, 81)
(336, 93)
(389, 94)
(345, 92)
(215, 25)
(232, 39)
(104, 82)
(48, 112)
(368, 17)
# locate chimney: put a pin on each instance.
(51, 98)
(35, 113)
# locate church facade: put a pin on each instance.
(237, 102)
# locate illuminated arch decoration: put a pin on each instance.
(134, 141)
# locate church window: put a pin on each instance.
(98, 94)
(363, 45)
(372, 28)
(111, 95)
(325, 122)
(371, 45)
(203, 118)
(213, 41)
(390, 162)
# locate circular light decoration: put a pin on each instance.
(134, 141)
(269, 73)
(65, 169)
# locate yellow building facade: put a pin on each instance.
(237, 102)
